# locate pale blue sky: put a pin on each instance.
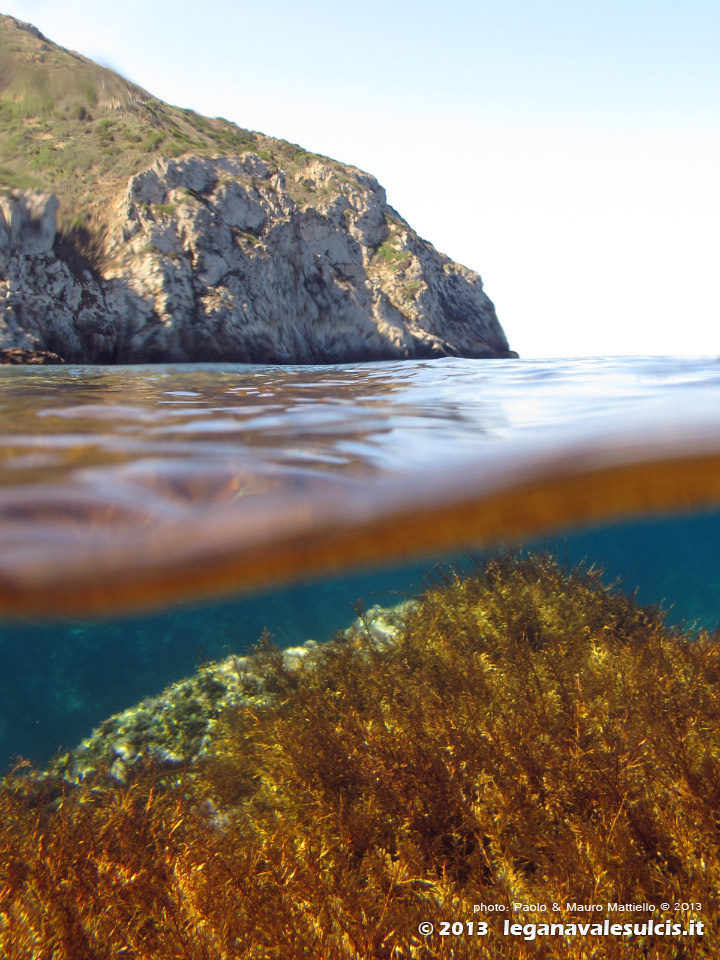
(567, 151)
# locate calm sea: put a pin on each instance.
(155, 517)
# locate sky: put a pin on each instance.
(568, 151)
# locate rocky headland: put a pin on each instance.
(132, 231)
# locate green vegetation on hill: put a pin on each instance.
(532, 737)
(81, 130)
(69, 125)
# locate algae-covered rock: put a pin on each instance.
(175, 727)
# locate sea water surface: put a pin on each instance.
(152, 517)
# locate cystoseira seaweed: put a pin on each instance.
(531, 737)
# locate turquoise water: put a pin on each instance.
(134, 476)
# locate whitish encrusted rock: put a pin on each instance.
(175, 728)
(171, 728)
(233, 259)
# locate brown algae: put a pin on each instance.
(530, 737)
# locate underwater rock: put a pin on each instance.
(175, 728)
(383, 625)
(171, 728)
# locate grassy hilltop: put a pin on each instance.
(81, 130)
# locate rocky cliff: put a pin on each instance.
(251, 250)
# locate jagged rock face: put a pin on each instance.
(44, 309)
(229, 259)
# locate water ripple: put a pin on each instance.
(132, 486)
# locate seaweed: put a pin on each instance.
(532, 737)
